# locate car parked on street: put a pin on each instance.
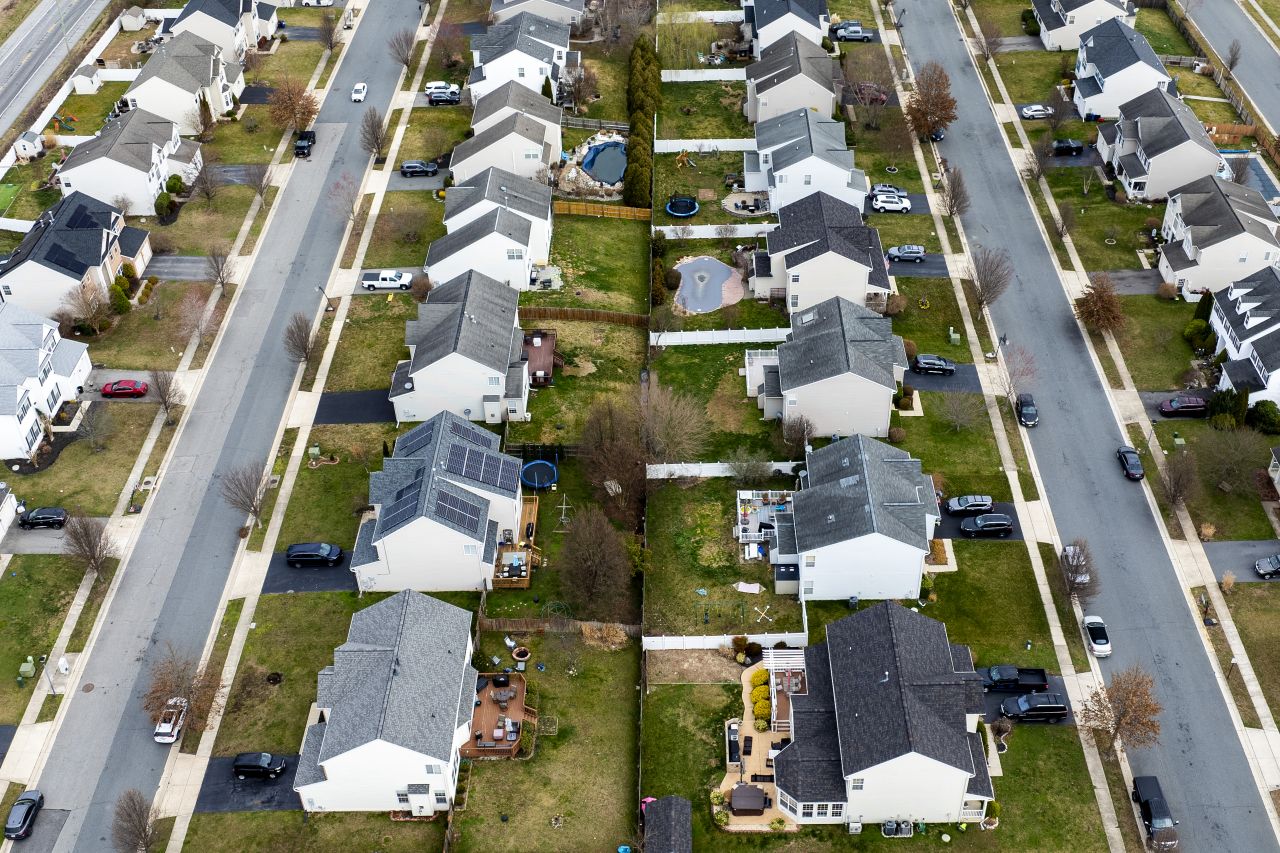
(257, 765)
(358, 92)
(1036, 111)
(1130, 463)
(993, 524)
(970, 505)
(418, 169)
(910, 252)
(890, 204)
(1028, 414)
(43, 516)
(1067, 148)
(938, 135)
(888, 189)
(312, 554)
(444, 99)
(850, 31)
(22, 814)
(929, 363)
(1074, 564)
(1036, 708)
(172, 718)
(1185, 406)
(125, 388)
(1095, 633)
(1157, 818)
(1268, 567)
(304, 143)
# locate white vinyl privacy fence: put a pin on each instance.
(678, 470)
(718, 336)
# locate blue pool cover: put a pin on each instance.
(606, 162)
(702, 284)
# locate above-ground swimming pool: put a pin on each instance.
(682, 206)
(702, 284)
(606, 162)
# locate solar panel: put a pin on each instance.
(404, 508)
(510, 476)
(492, 467)
(462, 513)
(457, 459)
(471, 434)
(416, 439)
(475, 464)
(414, 486)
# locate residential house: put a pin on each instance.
(493, 189)
(883, 725)
(130, 161)
(510, 99)
(668, 825)
(444, 501)
(567, 12)
(392, 711)
(1216, 232)
(800, 153)
(839, 367)
(79, 242)
(821, 249)
(793, 73)
(1064, 22)
(1245, 318)
(185, 75)
(39, 371)
(525, 48)
(235, 26)
(1273, 470)
(518, 143)
(1115, 65)
(466, 355)
(1156, 145)
(768, 21)
(495, 244)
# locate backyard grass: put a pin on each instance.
(408, 222)
(35, 593)
(1153, 346)
(1255, 608)
(1191, 83)
(201, 223)
(610, 67)
(372, 342)
(707, 172)
(434, 131)
(673, 54)
(1161, 34)
(745, 314)
(292, 59)
(217, 660)
(1062, 604)
(270, 831)
(928, 327)
(1030, 75)
(1005, 14)
(251, 139)
(1098, 220)
(1222, 651)
(601, 360)
(93, 603)
(586, 772)
(30, 201)
(968, 460)
(84, 481)
(138, 341)
(604, 263)
(711, 110)
(1214, 112)
(91, 111)
(1234, 515)
(691, 548)
(899, 228)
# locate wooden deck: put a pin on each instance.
(490, 718)
(540, 351)
(521, 552)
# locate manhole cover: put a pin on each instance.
(88, 688)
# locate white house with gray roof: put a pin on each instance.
(235, 26)
(131, 159)
(1216, 232)
(1246, 318)
(466, 355)
(495, 189)
(839, 367)
(1115, 65)
(800, 153)
(510, 99)
(39, 371)
(821, 249)
(495, 244)
(883, 724)
(1064, 22)
(525, 49)
(443, 501)
(568, 12)
(183, 75)
(793, 73)
(768, 21)
(518, 143)
(1156, 145)
(391, 712)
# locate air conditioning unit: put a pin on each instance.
(855, 829)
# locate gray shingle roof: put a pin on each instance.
(131, 140)
(186, 60)
(858, 486)
(668, 825)
(226, 11)
(309, 770)
(1252, 300)
(769, 11)
(808, 769)
(794, 136)
(500, 187)
(837, 336)
(398, 678)
(515, 96)
(1162, 123)
(789, 56)
(526, 33)
(520, 125)
(1072, 5)
(1113, 46)
(22, 335)
(472, 315)
(497, 221)
(817, 224)
(574, 6)
(1215, 210)
(75, 234)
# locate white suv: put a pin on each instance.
(890, 203)
(439, 86)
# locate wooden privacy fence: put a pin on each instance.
(592, 123)
(594, 315)
(608, 211)
(550, 625)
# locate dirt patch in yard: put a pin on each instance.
(691, 666)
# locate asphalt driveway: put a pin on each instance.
(256, 94)
(396, 181)
(1136, 282)
(223, 792)
(1090, 157)
(178, 267)
(933, 266)
(1239, 557)
(42, 540)
(281, 578)
(949, 525)
(964, 381)
(100, 376)
(991, 701)
(355, 407)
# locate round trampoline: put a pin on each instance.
(539, 474)
(682, 206)
(606, 162)
(702, 284)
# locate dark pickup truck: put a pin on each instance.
(304, 143)
(1013, 679)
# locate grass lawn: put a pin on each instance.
(89, 613)
(852, 10)
(278, 467)
(708, 172)
(433, 131)
(1154, 350)
(30, 201)
(353, 236)
(1030, 75)
(711, 110)
(10, 240)
(601, 359)
(1098, 220)
(870, 155)
(138, 341)
(372, 342)
(329, 65)
(202, 223)
(585, 773)
(1062, 604)
(252, 139)
(217, 660)
(406, 84)
(1222, 651)
(899, 228)
(1005, 14)
(409, 221)
(1213, 112)
(259, 222)
(34, 596)
(673, 54)
(616, 279)
(292, 59)
(91, 111)
(267, 831)
(691, 547)
(1161, 34)
(88, 482)
(968, 460)
(928, 326)
(1191, 83)
(611, 72)
(1255, 607)
(325, 498)
(1235, 515)
(746, 314)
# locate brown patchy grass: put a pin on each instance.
(357, 231)
(140, 341)
(372, 342)
(691, 666)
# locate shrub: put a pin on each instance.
(637, 190)
(777, 824)
(1223, 422)
(760, 676)
(993, 809)
(1029, 23)
(657, 294)
(128, 271)
(1168, 290)
(754, 650)
(1204, 308)
(827, 45)
(911, 348)
(174, 185)
(761, 709)
(895, 305)
(717, 797)
(897, 435)
(546, 88)
(904, 402)
(164, 204)
(740, 658)
(251, 124)
(673, 279)
(722, 818)
(121, 282)
(758, 693)
(739, 644)
(120, 303)
(1194, 333)
(658, 245)
(761, 725)
(1264, 417)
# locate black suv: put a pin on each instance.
(444, 99)
(312, 554)
(418, 169)
(1156, 817)
(991, 524)
(304, 143)
(970, 505)
(1028, 414)
(926, 363)
(44, 516)
(1067, 148)
(1036, 708)
(257, 765)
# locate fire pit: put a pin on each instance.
(520, 653)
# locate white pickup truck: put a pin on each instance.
(386, 280)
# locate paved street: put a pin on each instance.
(30, 55)
(175, 577)
(1200, 761)
(1259, 70)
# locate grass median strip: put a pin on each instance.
(278, 468)
(34, 596)
(217, 660)
(92, 605)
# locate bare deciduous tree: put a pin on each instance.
(1100, 309)
(1079, 571)
(1239, 169)
(88, 306)
(219, 264)
(595, 565)
(400, 45)
(1233, 57)
(582, 87)
(868, 75)
(133, 824)
(451, 45)
(374, 133)
(986, 39)
(207, 183)
(1019, 371)
(258, 176)
(345, 197)
(96, 426)
(673, 425)
(1126, 710)
(955, 194)
(991, 272)
(330, 30)
(1066, 218)
(613, 457)
(750, 467)
(298, 342)
(88, 542)
(169, 393)
(1180, 478)
(962, 411)
(931, 107)
(178, 674)
(292, 105)
(245, 488)
(121, 200)
(798, 431)
(1230, 457)
(193, 320)
(1060, 111)
(1037, 160)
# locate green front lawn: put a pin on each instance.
(433, 131)
(852, 10)
(292, 59)
(873, 154)
(899, 228)
(928, 327)
(707, 172)
(1098, 220)
(138, 341)
(1006, 15)
(89, 111)
(1030, 75)
(1255, 608)
(968, 461)
(34, 596)
(408, 222)
(201, 224)
(271, 831)
(1234, 515)
(372, 342)
(1154, 350)
(1161, 34)
(251, 139)
(604, 263)
(711, 110)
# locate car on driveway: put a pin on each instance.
(418, 169)
(1268, 567)
(1130, 463)
(314, 554)
(125, 388)
(22, 814)
(257, 765)
(850, 31)
(1028, 414)
(1035, 708)
(1036, 111)
(444, 99)
(929, 363)
(888, 189)
(910, 252)
(43, 516)
(172, 718)
(970, 505)
(993, 524)
(1185, 406)
(359, 91)
(1095, 634)
(1067, 148)
(440, 86)
(890, 204)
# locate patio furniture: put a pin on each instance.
(746, 800)
(486, 744)
(746, 745)
(762, 777)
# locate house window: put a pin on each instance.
(7, 290)
(822, 809)
(782, 179)
(434, 769)
(855, 784)
(23, 408)
(531, 154)
(806, 810)
(519, 72)
(32, 433)
(402, 797)
(512, 410)
(808, 589)
(810, 561)
(470, 550)
(795, 278)
(792, 401)
(808, 180)
(795, 301)
(495, 381)
(837, 809)
(786, 802)
(515, 254)
(441, 799)
(1244, 258)
(45, 369)
(54, 396)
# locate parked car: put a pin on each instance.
(22, 814)
(304, 143)
(172, 718)
(386, 280)
(1268, 567)
(970, 505)
(358, 92)
(890, 204)
(735, 753)
(258, 765)
(418, 169)
(1074, 564)
(325, 3)
(992, 524)
(43, 516)
(440, 86)
(1185, 406)
(444, 99)
(1095, 632)
(868, 93)
(1067, 148)
(312, 554)
(928, 363)
(850, 31)
(938, 135)
(888, 189)
(910, 252)
(1028, 414)
(1157, 818)
(125, 388)
(1014, 679)
(1130, 463)
(1036, 708)
(1036, 111)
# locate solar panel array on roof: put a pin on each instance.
(415, 486)
(492, 467)
(471, 434)
(405, 506)
(457, 461)
(462, 513)
(475, 464)
(509, 478)
(414, 441)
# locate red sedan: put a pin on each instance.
(125, 388)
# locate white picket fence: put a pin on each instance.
(702, 75)
(710, 232)
(718, 336)
(702, 146)
(658, 643)
(681, 470)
